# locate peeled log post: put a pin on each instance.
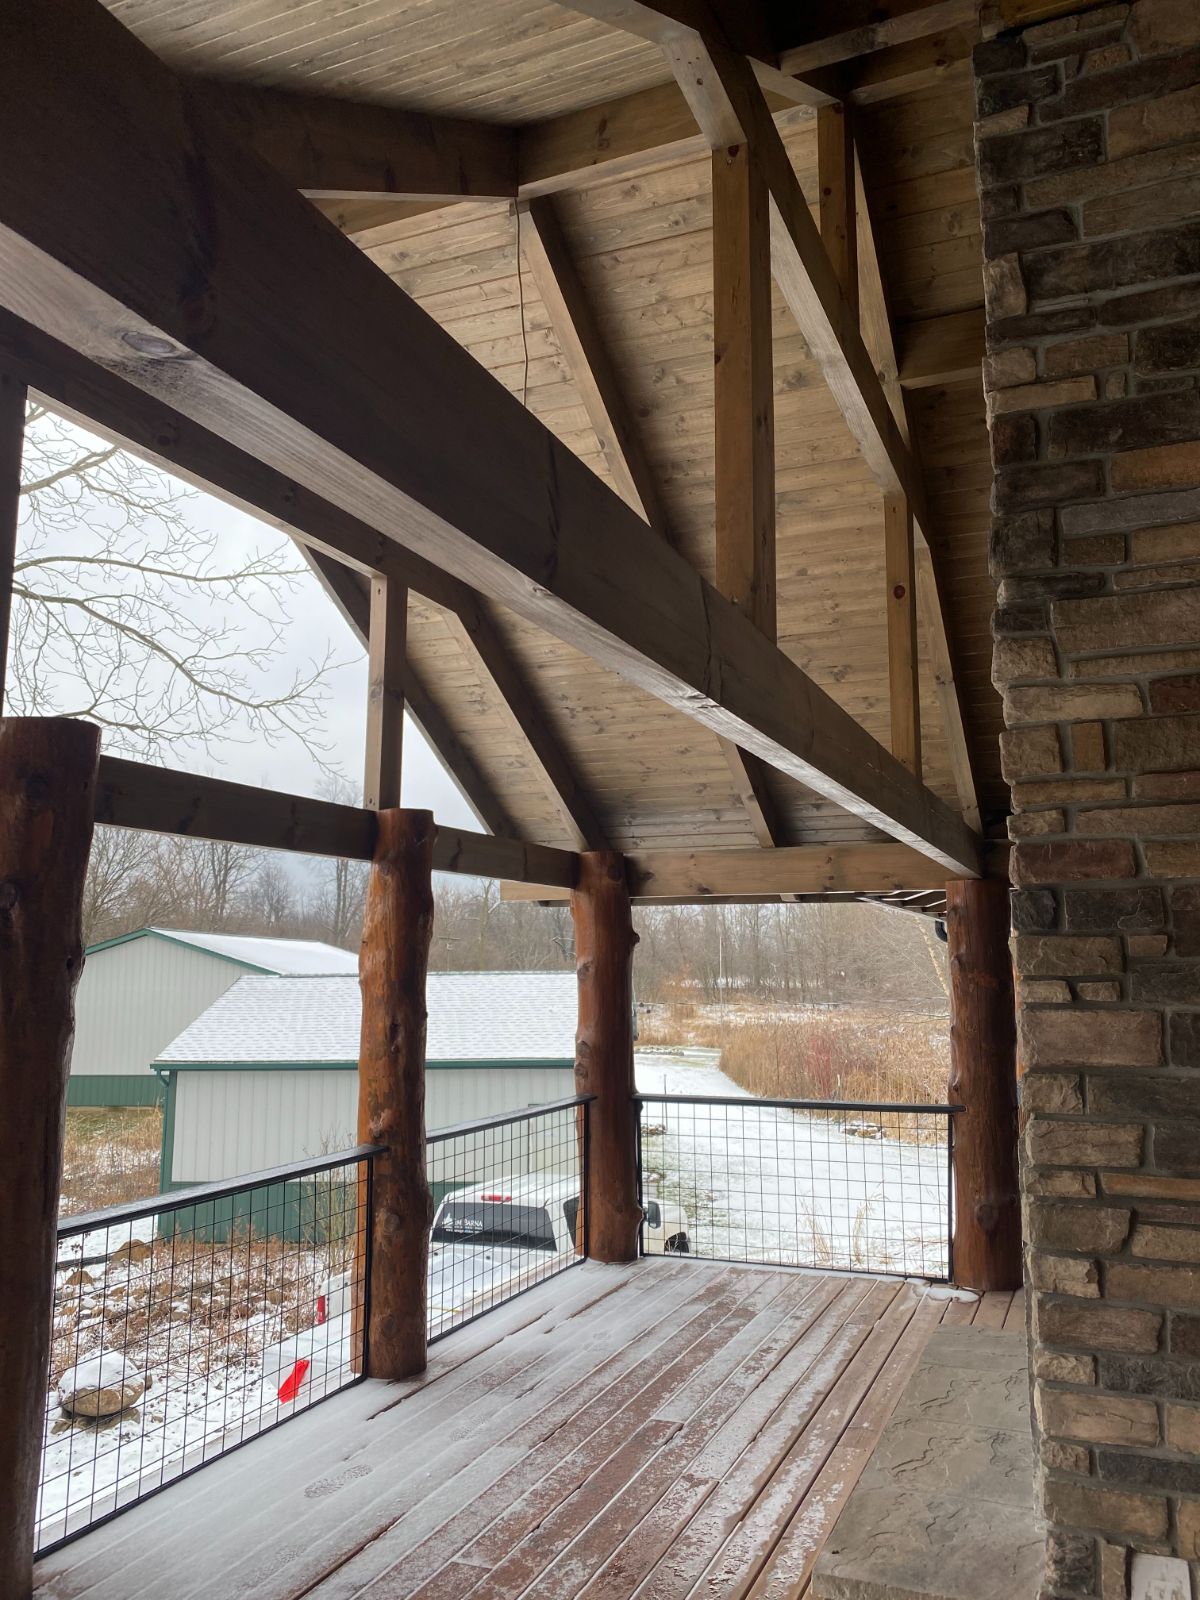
(393, 962)
(983, 1079)
(47, 796)
(604, 945)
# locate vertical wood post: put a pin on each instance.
(385, 693)
(12, 442)
(47, 796)
(983, 1079)
(393, 962)
(604, 945)
(838, 206)
(904, 688)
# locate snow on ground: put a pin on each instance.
(766, 1184)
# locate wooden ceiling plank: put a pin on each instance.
(386, 659)
(573, 322)
(333, 149)
(269, 328)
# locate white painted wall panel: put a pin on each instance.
(231, 1123)
(134, 998)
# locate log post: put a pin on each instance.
(983, 1079)
(12, 442)
(604, 944)
(393, 962)
(47, 797)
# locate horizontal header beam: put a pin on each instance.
(130, 794)
(690, 876)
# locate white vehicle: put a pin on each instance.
(665, 1231)
(492, 1240)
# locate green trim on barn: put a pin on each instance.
(184, 944)
(168, 1137)
(306, 1211)
(111, 1089)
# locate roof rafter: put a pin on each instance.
(138, 228)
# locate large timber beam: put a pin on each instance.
(340, 149)
(831, 41)
(12, 442)
(137, 228)
(807, 869)
(158, 800)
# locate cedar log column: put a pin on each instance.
(47, 796)
(983, 1079)
(393, 962)
(604, 943)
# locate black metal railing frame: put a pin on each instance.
(206, 1199)
(576, 1137)
(823, 1108)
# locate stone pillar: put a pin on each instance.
(1088, 146)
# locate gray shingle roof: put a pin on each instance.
(473, 1016)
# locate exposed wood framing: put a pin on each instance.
(12, 441)
(794, 869)
(941, 350)
(744, 402)
(838, 208)
(877, 329)
(387, 634)
(288, 340)
(475, 628)
(350, 592)
(904, 689)
(826, 47)
(573, 321)
(339, 149)
(132, 795)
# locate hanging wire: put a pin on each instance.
(521, 303)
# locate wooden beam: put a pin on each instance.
(904, 687)
(47, 774)
(838, 207)
(699, 875)
(574, 325)
(983, 1079)
(941, 350)
(877, 329)
(604, 946)
(475, 629)
(269, 328)
(744, 391)
(393, 963)
(334, 149)
(131, 795)
(825, 48)
(12, 443)
(388, 629)
(350, 592)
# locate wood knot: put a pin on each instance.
(10, 894)
(36, 788)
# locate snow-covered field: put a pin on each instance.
(764, 1184)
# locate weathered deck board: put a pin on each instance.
(670, 1429)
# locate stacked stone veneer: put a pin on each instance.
(1088, 144)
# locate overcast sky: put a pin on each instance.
(317, 630)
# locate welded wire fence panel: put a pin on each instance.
(853, 1188)
(185, 1325)
(510, 1208)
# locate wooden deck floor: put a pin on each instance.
(669, 1429)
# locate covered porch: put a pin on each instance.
(664, 1427)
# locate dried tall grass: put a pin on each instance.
(110, 1156)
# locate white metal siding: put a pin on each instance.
(134, 998)
(231, 1123)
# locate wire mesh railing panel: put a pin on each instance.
(186, 1325)
(851, 1188)
(510, 1208)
